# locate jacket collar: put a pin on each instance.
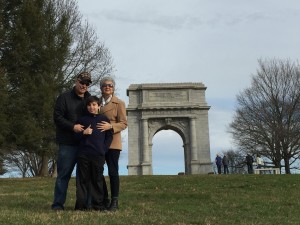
(109, 106)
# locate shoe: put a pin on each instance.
(57, 207)
(106, 203)
(113, 205)
(81, 209)
(100, 208)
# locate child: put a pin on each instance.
(91, 158)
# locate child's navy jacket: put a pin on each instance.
(97, 143)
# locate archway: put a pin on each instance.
(177, 106)
(167, 153)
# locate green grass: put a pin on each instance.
(197, 199)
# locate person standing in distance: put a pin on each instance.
(249, 162)
(218, 161)
(115, 110)
(69, 107)
(259, 162)
(225, 163)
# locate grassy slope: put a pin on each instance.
(197, 199)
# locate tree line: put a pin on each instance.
(44, 44)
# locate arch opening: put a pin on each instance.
(167, 153)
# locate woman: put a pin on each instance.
(115, 110)
(259, 162)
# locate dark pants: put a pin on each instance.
(259, 166)
(89, 182)
(226, 171)
(67, 157)
(112, 161)
(219, 169)
(250, 168)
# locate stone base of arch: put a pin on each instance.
(146, 169)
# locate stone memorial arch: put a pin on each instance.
(180, 107)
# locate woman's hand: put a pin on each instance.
(103, 126)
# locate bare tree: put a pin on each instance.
(20, 160)
(86, 52)
(267, 118)
(2, 169)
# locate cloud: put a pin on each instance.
(184, 20)
(155, 19)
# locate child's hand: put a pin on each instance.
(88, 131)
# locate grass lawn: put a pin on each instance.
(194, 199)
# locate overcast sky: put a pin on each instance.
(215, 42)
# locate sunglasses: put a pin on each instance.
(107, 85)
(84, 83)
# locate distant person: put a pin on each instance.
(259, 162)
(249, 162)
(69, 107)
(115, 110)
(218, 161)
(91, 158)
(225, 163)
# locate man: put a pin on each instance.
(225, 163)
(69, 107)
(249, 162)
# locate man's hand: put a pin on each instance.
(78, 128)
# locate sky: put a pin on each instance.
(215, 42)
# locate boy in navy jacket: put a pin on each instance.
(91, 158)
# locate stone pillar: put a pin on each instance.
(145, 140)
(186, 160)
(146, 165)
(193, 146)
(193, 139)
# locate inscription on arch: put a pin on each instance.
(168, 96)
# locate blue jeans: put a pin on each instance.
(67, 158)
